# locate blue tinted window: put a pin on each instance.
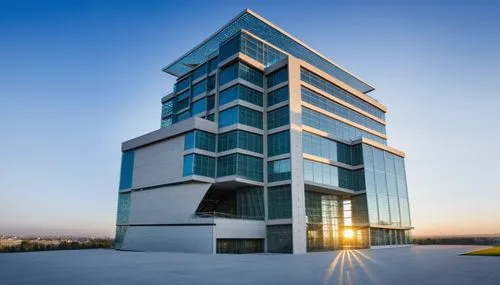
(277, 77)
(228, 73)
(251, 75)
(204, 165)
(228, 95)
(188, 165)
(334, 127)
(166, 122)
(210, 102)
(278, 143)
(240, 92)
(199, 106)
(212, 64)
(189, 140)
(228, 117)
(278, 170)
(197, 164)
(244, 166)
(127, 169)
(211, 83)
(277, 96)
(278, 118)
(229, 48)
(167, 108)
(200, 71)
(335, 108)
(182, 116)
(240, 139)
(260, 51)
(335, 91)
(183, 84)
(242, 115)
(200, 88)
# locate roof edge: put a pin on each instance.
(247, 10)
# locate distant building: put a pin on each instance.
(265, 145)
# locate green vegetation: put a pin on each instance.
(492, 251)
(33, 245)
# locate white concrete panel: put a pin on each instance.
(296, 161)
(233, 228)
(166, 205)
(159, 163)
(170, 238)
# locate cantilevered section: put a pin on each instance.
(257, 25)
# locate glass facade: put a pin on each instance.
(277, 96)
(273, 36)
(167, 108)
(239, 139)
(182, 84)
(337, 109)
(248, 45)
(240, 246)
(350, 167)
(334, 127)
(278, 170)
(240, 92)
(166, 122)
(332, 150)
(234, 203)
(200, 88)
(212, 64)
(242, 115)
(386, 190)
(322, 173)
(277, 77)
(200, 71)
(197, 164)
(127, 170)
(277, 118)
(389, 237)
(211, 83)
(279, 239)
(278, 143)
(324, 219)
(199, 139)
(279, 202)
(339, 93)
(240, 70)
(199, 106)
(241, 165)
(123, 209)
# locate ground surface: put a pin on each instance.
(492, 251)
(413, 265)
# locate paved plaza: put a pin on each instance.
(412, 265)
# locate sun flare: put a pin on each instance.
(348, 233)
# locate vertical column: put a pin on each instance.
(296, 160)
(264, 151)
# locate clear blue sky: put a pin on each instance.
(79, 77)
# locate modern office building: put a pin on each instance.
(265, 145)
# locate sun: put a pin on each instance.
(348, 233)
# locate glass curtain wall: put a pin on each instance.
(323, 214)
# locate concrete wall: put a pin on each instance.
(296, 161)
(232, 228)
(174, 204)
(159, 163)
(162, 219)
(169, 238)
